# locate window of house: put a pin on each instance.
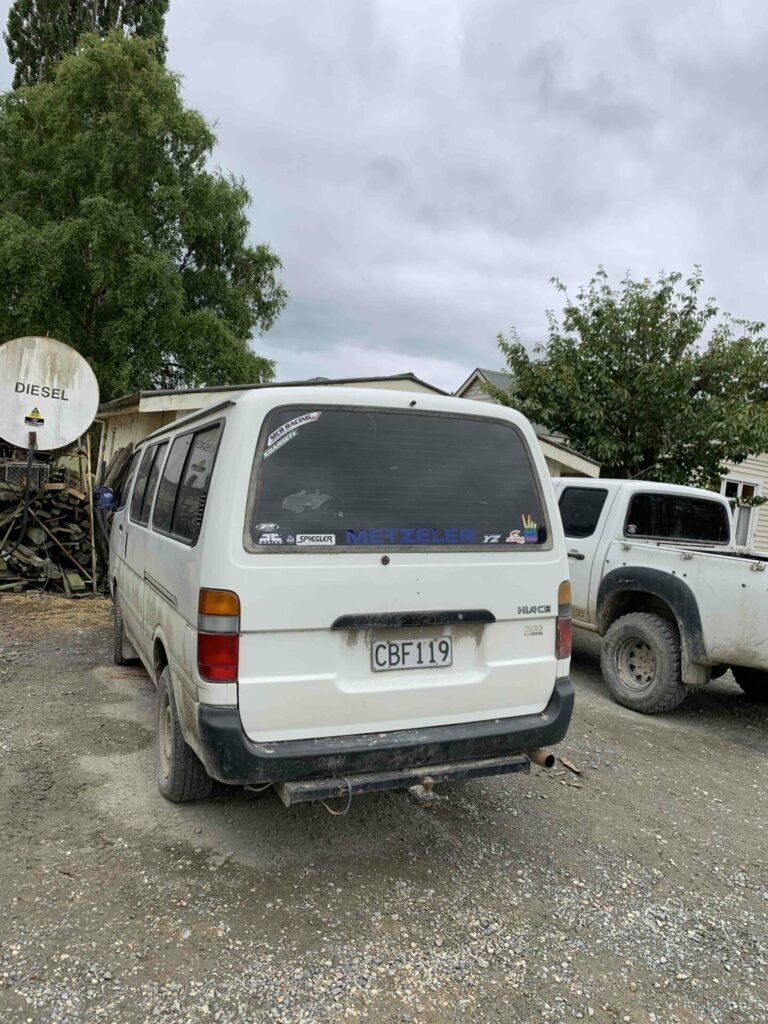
(580, 509)
(743, 518)
(677, 517)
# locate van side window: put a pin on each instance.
(677, 517)
(192, 492)
(146, 482)
(125, 486)
(169, 484)
(580, 509)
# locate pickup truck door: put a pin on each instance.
(584, 511)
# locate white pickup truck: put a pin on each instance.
(654, 569)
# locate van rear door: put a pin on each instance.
(401, 572)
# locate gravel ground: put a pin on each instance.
(636, 891)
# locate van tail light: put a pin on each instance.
(218, 636)
(564, 626)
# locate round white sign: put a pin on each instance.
(48, 388)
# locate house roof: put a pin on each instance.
(135, 399)
(501, 380)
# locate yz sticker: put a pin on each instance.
(491, 538)
(270, 538)
(299, 421)
(530, 530)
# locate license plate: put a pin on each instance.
(388, 655)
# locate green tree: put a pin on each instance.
(115, 238)
(629, 379)
(41, 32)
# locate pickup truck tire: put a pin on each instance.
(753, 682)
(123, 652)
(640, 660)
(179, 772)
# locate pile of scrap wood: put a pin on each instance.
(55, 551)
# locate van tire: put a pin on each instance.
(640, 660)
(123, 652)
(179, 772)
(753, 682)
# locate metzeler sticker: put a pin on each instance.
(530, 530)
(34, 419)
(283, 440)
(404, 535)
(299, 421)
(270, 538)
(315, 539)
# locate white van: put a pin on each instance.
(339, 590)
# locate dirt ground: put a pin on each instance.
(634, 892)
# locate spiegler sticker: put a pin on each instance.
(315, 539)
(298, 421)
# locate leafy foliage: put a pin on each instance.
(115, 238)
(629, 380)
(41, 32)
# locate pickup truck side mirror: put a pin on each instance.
(104, 498)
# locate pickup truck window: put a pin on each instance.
(677, 517)
(580, 509)
(386, 478)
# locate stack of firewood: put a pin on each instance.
(55, 551)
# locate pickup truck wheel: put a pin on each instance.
(640, 660)
(123, 652)
(180, 774)
(753, 682)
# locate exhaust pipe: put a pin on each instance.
(541, 756)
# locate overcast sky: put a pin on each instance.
(423, 167)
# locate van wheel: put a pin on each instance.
(753, 682)
(180, 774)
(640, 660)
(123, 650)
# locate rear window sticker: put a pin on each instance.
(530, 530)
(631, 528)
(283, 440)
(491, 538)
(514, 538)
(297, 421)
(290, 539)
(405, 535)
(267, 526)
(315, 539)
(302, 501)
(270, 538)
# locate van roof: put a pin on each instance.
(330, 395)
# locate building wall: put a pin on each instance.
(756, 468)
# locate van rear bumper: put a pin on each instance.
(230, 756)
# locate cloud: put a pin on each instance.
(424, 168)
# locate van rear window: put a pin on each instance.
(358, 478)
